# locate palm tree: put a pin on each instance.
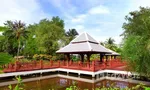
(16, 30)
(71, 34)
(109, 43)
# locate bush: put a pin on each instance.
(42, 57)
(5, 58)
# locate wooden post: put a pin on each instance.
(106, 58)
(16, 67)
(79, 64)
(58, 63)
(68, 59)
(82, 57)
(88, 60)
(93, 66)
(101, 57)
(111, 57)
(63, 63)
(51, 63)
(114, 57)
(41, 64)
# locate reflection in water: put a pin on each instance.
(61, 83)
(121, 84)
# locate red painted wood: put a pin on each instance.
(87, 66)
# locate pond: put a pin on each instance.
(61, 82)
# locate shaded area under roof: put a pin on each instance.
(84, 43)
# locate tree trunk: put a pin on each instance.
(18, 49)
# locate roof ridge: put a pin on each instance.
(88, 41)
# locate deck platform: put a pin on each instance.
(79, 72)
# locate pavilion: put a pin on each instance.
(84, 44)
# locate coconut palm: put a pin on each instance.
(109, 43)
(71, 34)
(16, 30)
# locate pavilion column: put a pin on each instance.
(101, 57)
(106, 58)
(115, 57)
(88, 60)
(111, 57)
(68, 58)
(82, 57)
(88, 57)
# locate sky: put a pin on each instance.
(99, 18)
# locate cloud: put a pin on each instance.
(79, 18)
(29, 11)
(80, 28)
(99, 10)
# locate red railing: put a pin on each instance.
(38, 65)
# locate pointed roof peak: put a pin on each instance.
(83, 38)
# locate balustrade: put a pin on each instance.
(88, 66)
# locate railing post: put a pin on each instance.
(16, 67)
(93, 66)
(63, 63)
(104, 64)
(51, 63)
(67, 63)
(70, 63)
(79, 64)
(41, 64)
(58, 63)
(88, 64)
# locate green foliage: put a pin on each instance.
(47, 34)
(42, 57)
(2, 28)
(70, 35)
(75, 58)
(19, 85)
(112, 87)
(5, 58)
(15, 36)
(94, 57)
(110, 43)
(136, 49)
(31, 47)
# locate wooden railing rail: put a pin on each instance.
(36, 65)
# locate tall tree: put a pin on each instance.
(16, 30)
(2, 38)
(136, 48)
(31, 46)
(48, 34)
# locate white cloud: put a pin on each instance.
(28, 11)
(134, 4)
(80, 28)
(79, 18)
(99, 10)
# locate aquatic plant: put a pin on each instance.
(19, 85)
